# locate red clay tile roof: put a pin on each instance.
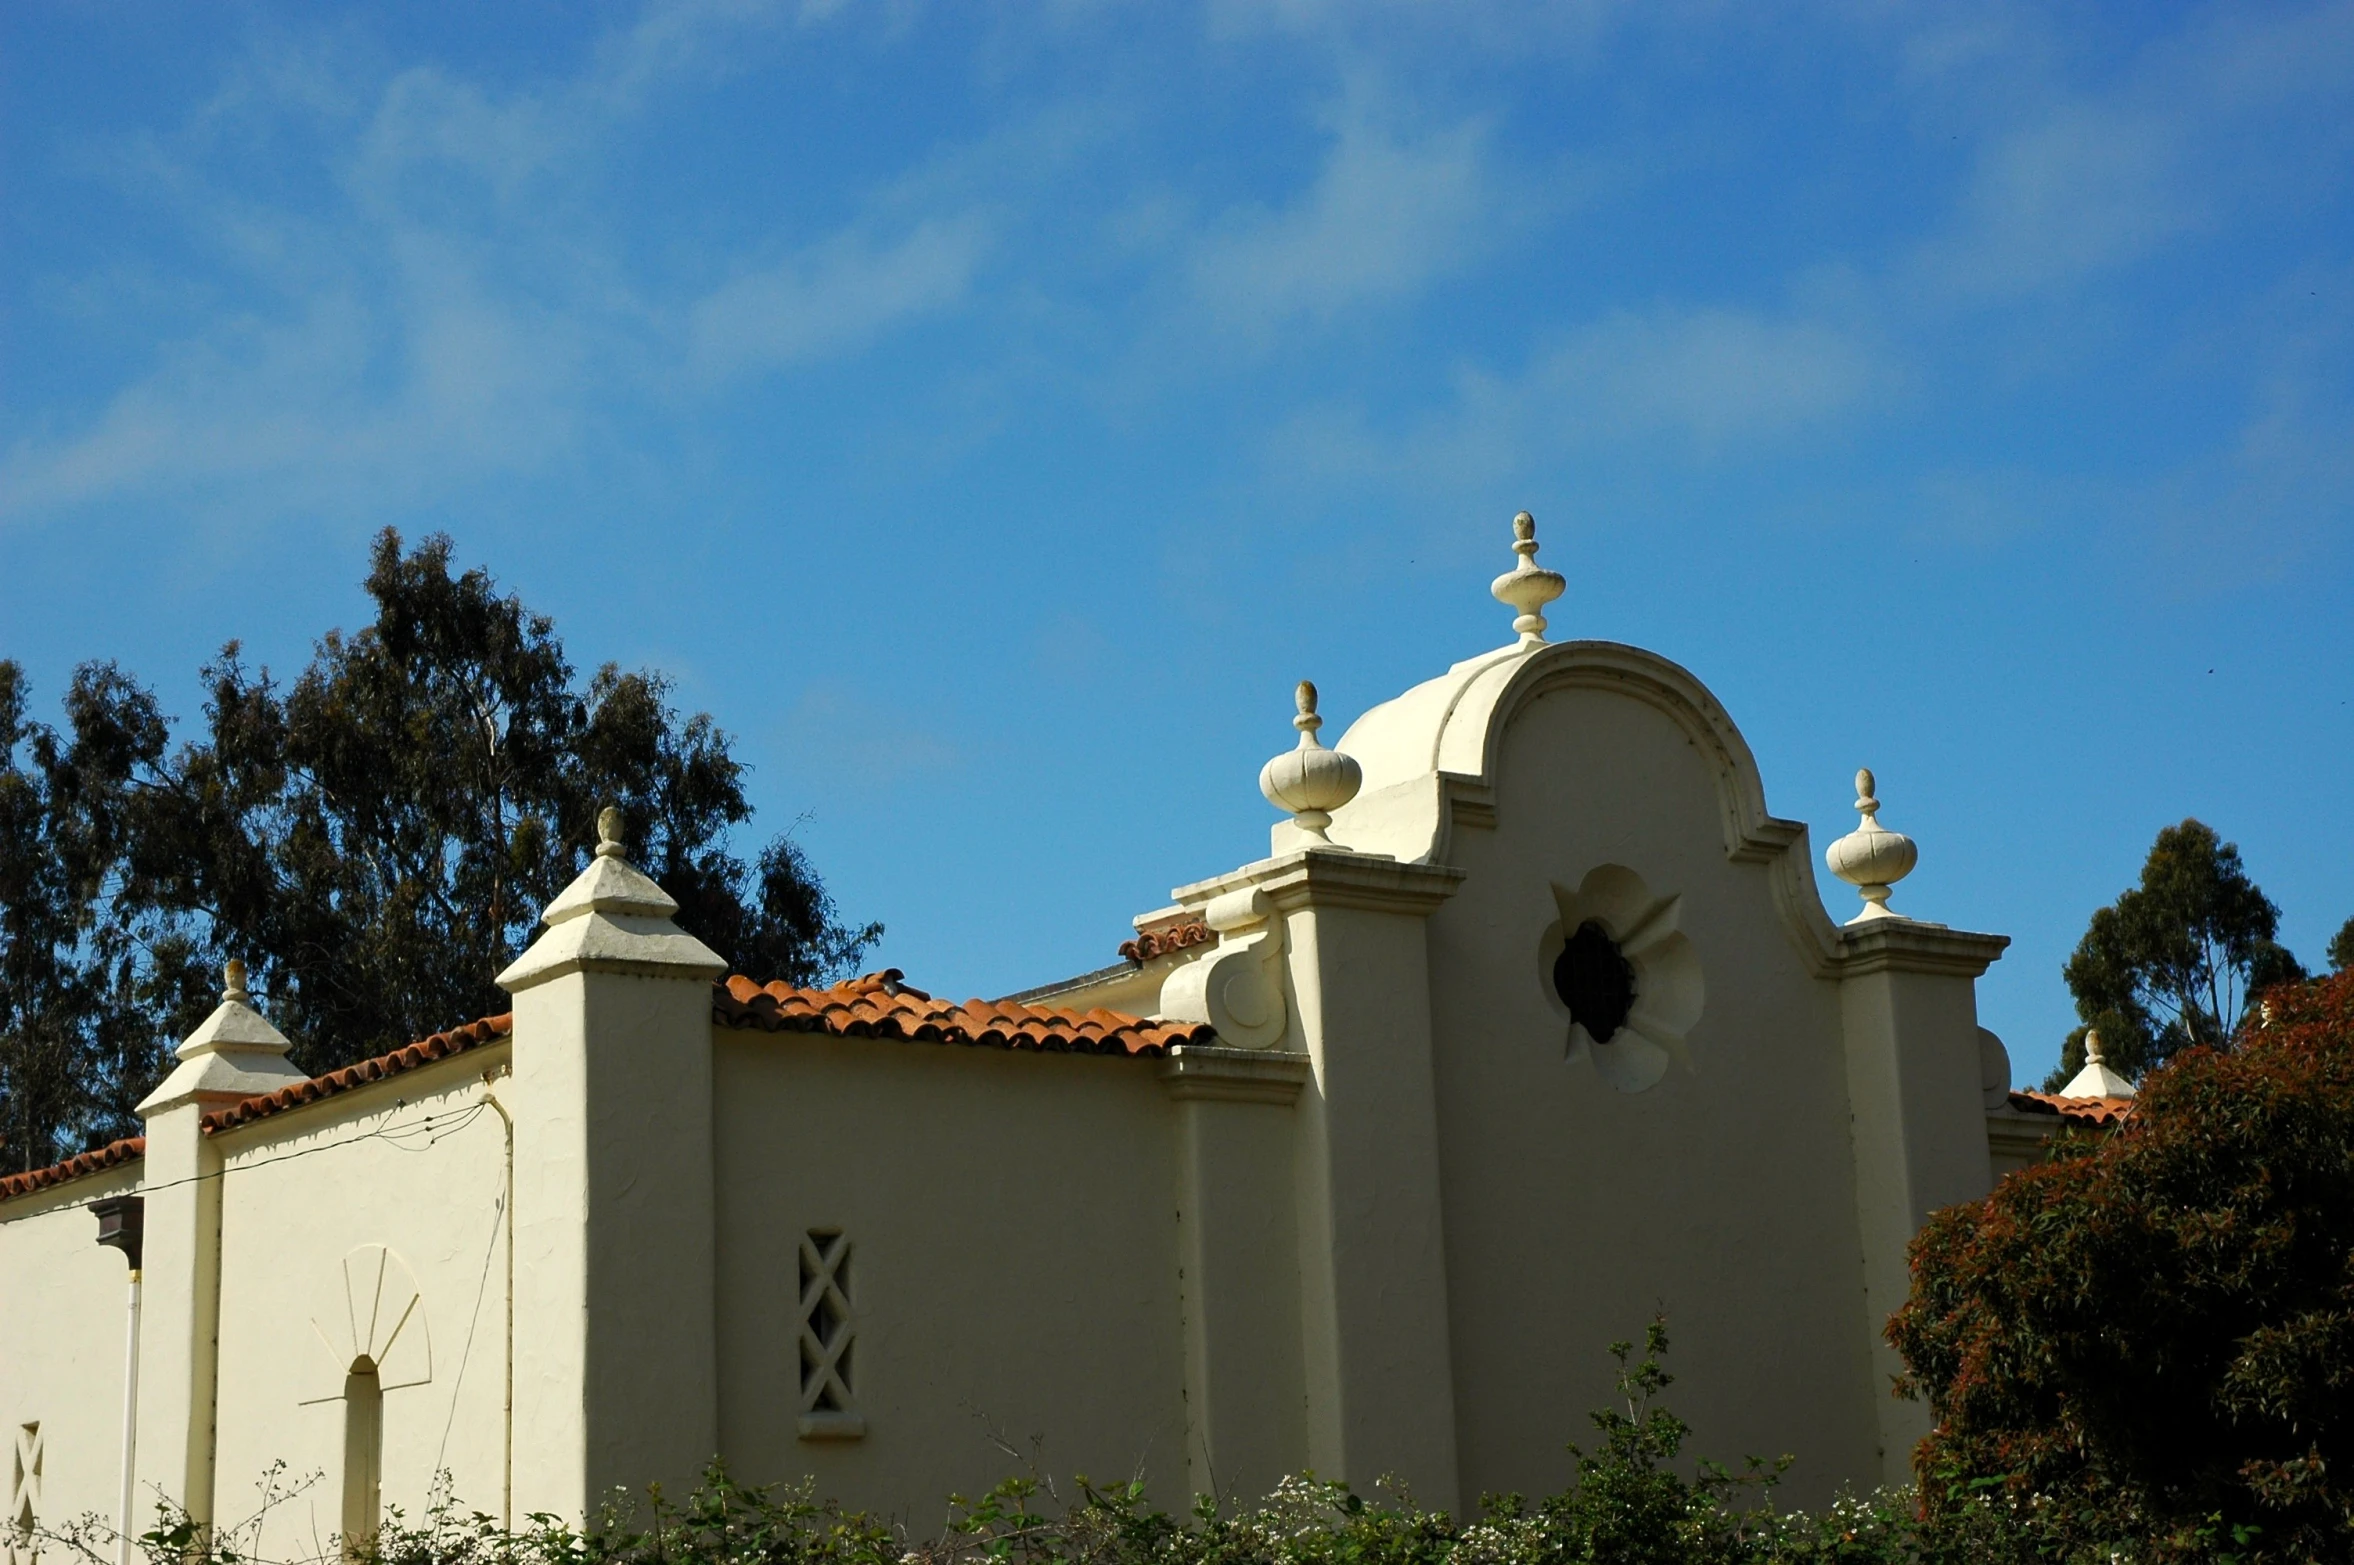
(111, 1155)
(1162, 939)
(2084, 1111)
(878, 1005)
(875, 1006)
(423, 1052)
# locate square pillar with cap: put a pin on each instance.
(616, 1371)
(1238, 1266)
(1347, 934)
(235, 1054)
(1916, 1089)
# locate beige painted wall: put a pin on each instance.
(62, 1318)
(1014, 1236)
(1723, 1196)
(2015, 1140)
(615, 1362)
(303, 1190)
(1414, 1270)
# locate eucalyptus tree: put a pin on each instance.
(374, 839)
(2175, 960)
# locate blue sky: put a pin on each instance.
(988, 412)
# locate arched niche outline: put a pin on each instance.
(368, 1307)
(1432, 756)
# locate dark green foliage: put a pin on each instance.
(2176, 960)
(374, 840)
(2155, 1331)
(1627, 1506)
(2341, 947)
(79, 988)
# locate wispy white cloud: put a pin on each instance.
(1386, 215)
(1672, 383)
(858, 752)
(323, 400)
(1709, 376)
(2070, 183)
(2066, 185)
(2276, 493)
(428, 291)
(2081, 189)
(1518, 28)
(832, 296)
(445, 291)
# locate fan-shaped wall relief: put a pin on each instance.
(367, 1312)
(1622, 977)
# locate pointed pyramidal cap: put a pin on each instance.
(234, 1053)
(611, 884)
(2096, 1080)
(1871, 858)
(612, 919)
(1310, 780)
(1525, 587)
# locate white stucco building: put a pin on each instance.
(1530, 1023)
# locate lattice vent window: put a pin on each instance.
(829, 1331)
(21, 1544)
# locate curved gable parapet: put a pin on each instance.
(1430, 761)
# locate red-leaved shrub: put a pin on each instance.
(2156, 1327)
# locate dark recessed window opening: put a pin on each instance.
(1595, 982)
(826, 1326)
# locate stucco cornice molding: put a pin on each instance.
(1902, 945)
(1333, 877)
(212, 1084)
(613, 943)
(351, 1094)
(613, 918)
(1470, 802)
(234, 1054)
(1752, 835)
(1454, 738)
(1207, 1073)
(2020, 1137)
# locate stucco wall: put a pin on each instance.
(1472, 1215)
(62, 1318)
(1572, 1210)
(1014, 1253)
(2015, 1140)
(303, 1190)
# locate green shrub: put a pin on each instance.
(1630, 1504)
(2154, 1332)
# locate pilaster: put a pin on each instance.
(179, 1328)
(1376, 1360)
(1909, 1012)
(1238, 1257)
(233, 1055)
(616, 1374)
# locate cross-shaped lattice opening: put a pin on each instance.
(826, 1327)
(24, 1496)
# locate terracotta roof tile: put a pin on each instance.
(423, 1052)
(113, 1154)
(1161, 940)
(2084, 1111)
(879, 1005)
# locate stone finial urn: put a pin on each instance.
(1871, 858)
(1310, 780)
